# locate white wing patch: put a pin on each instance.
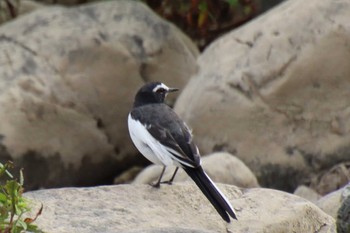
(151, 148)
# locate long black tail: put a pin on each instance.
(214, 195)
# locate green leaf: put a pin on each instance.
(21, 224)
(4, 214)
(13, 205)
(247, 10)
(3, 198)
(21, 178)
(12, 188)
(203, 6)
(184, 7)
(233, 3)
(3, 169)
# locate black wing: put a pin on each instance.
(165, 125)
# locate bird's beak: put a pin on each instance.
(173, 89)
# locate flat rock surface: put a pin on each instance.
(174, 208)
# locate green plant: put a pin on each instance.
(13, 205)
(205, 20)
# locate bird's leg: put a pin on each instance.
(157, 184)
(172, 178)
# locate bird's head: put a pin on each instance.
(152, 93)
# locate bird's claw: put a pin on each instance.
(169, 182)
(155, 185)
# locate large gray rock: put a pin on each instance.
(307, 193)
(331, 202)
(174, 208)
(68, 78)
(27, 6)
(221, 167)
(275, 92)
(343, 219)
(65, 2)
(331, 179)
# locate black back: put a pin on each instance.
(164, 125)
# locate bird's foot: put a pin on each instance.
(155, 184)
(169, 182)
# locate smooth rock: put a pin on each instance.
(332, 179)
(174, 208)
(221, 167)
(68, 79)
(27, 6)
(275, 92)
(65, 2)
(127, 176)
(331, 203)
(307, 193)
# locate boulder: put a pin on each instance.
(65, 2)
(68, 79)
(332, 202)
(275, 92)
(307, 193)
(343, 216)
(27, 6)
(8, 10)
(332, 179)
(221, 167)
(174, 208)
(128, 176)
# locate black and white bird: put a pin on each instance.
(164, 139)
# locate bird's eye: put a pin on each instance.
(160, 91)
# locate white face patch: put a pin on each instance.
(160, 86)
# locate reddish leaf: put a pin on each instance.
(30, 220)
